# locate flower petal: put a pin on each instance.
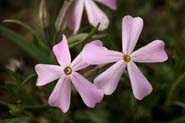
(108, 80)
(75, 15)
(96, 54)
(61, 95)
(78, 63)
(153, 52)
(110, 3)
(96, 15)
(62, 53)
(131, 29)
(47, 73)
(140, 85)
(97, 43)
(88, 92)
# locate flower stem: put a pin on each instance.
(28, 78)
(60, 21)
(89, 36)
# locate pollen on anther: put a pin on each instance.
(126, 58)
(67, 70)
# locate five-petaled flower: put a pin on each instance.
(66, 73)
(108, 80)
(94, 13)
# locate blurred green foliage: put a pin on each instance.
(22, 102)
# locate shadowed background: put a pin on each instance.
(26, 103)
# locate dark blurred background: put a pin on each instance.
(163, 19)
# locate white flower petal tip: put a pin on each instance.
(148, 92)
(101, 95)
(39, 84)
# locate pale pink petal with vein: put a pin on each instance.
(109, 79)
(75, 15)
(110, 3)
(96, 15)
(131, 29)
(61, 95)
(140, 85)
(88, 92)
(152, 52)
(78, 63)
(47, 73)
(94, 54)
(62, 53)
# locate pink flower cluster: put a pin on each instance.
(94, 54)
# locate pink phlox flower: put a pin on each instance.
(66, 73)
(108, 80)
(94, 13)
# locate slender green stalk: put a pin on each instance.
(60, 21)
(173, 88)
(59, 24)
(28, 78)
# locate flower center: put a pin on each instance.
(126, 58)
(68, 70)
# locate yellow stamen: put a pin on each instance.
(67, 70)
(126, 58)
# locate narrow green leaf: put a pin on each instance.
(180, 104)
(30, 29)
(20, 93)
(24, 44)
(13, 120)
(78, 37)
(173, 88)
(28, 78)
(16, 109)
(86, 38)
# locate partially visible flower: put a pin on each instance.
(94, 13)
(66, 72)
(108, 80)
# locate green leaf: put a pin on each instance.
(26, 109)
(39, 40)
(78, 37)
(14, 120)
(15, 110)
(84, 38)
(19, 93)
(180, 104)
(33, 51)
(28, 78)
(174, 86)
